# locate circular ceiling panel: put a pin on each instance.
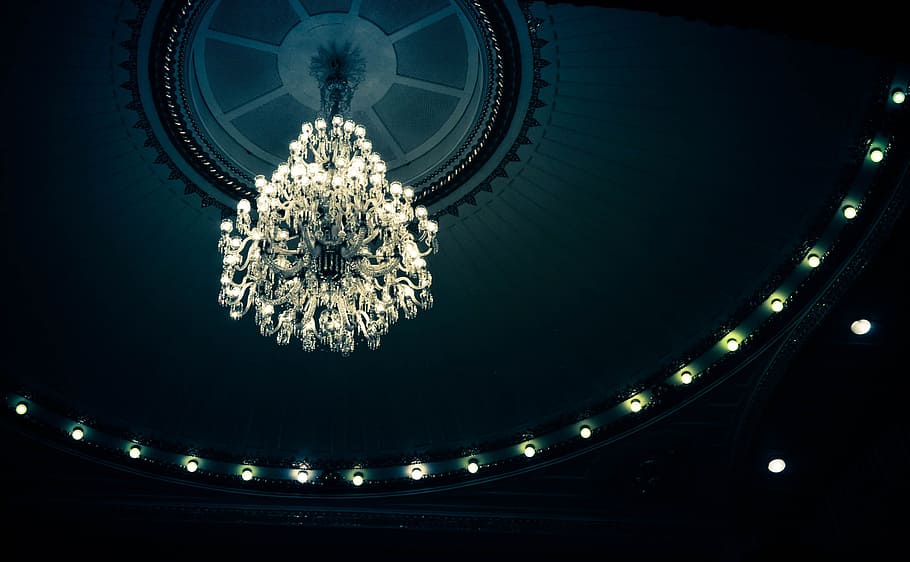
(433, 83)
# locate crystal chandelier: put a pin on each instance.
(334, 253)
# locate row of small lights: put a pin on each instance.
(732, 343)
(776, 465)
(859, 327)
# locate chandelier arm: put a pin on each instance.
(266, 331)
(369, 270)
(361, 317)
(408, 281)
(287, 272)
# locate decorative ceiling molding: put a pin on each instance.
(167, 66)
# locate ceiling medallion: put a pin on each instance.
(473, 95)
(335, 252)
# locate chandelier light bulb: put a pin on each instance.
(333, 253)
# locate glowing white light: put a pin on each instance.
(732, 344)
(247, 474)
(849, 212)
(898, 96)
(876, 155)
(338, 260)
(192, 465)
(21, 408)
(302, 476)
(530, 450)
(357, 479)
(77, 433)
(686, 377)
(861, 327)
(135, 451)
(777, 465)
(585, 432)
(416, 473)
(777, 305)
(473, 466)
(813, 260)
(635, 405)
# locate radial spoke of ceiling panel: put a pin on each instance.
(254, 103)
(383, 132)
(431, 86)
(421, 24)
(242, 41)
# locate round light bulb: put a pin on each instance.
(861, 327)
(21, 408)
(686, 377)
(585, 432)
(876, 155)
(473, 466)
(813, 260)
(302, 476)
(732, 344)
(635, 405)
(421, 212)
(849, 212)
(357, 480)
(77, 433)
(191, 465)
(777, 465)
(530, 451)
(135, 451)
(898, 96)
(777, 305)
(247, 474)
(261, 182)
(227, 225)
(395, 188)
(416, 473)
(243, 206)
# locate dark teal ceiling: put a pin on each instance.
(677, 166)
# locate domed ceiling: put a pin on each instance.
(619, 194)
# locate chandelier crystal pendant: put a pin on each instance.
(334, 253)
